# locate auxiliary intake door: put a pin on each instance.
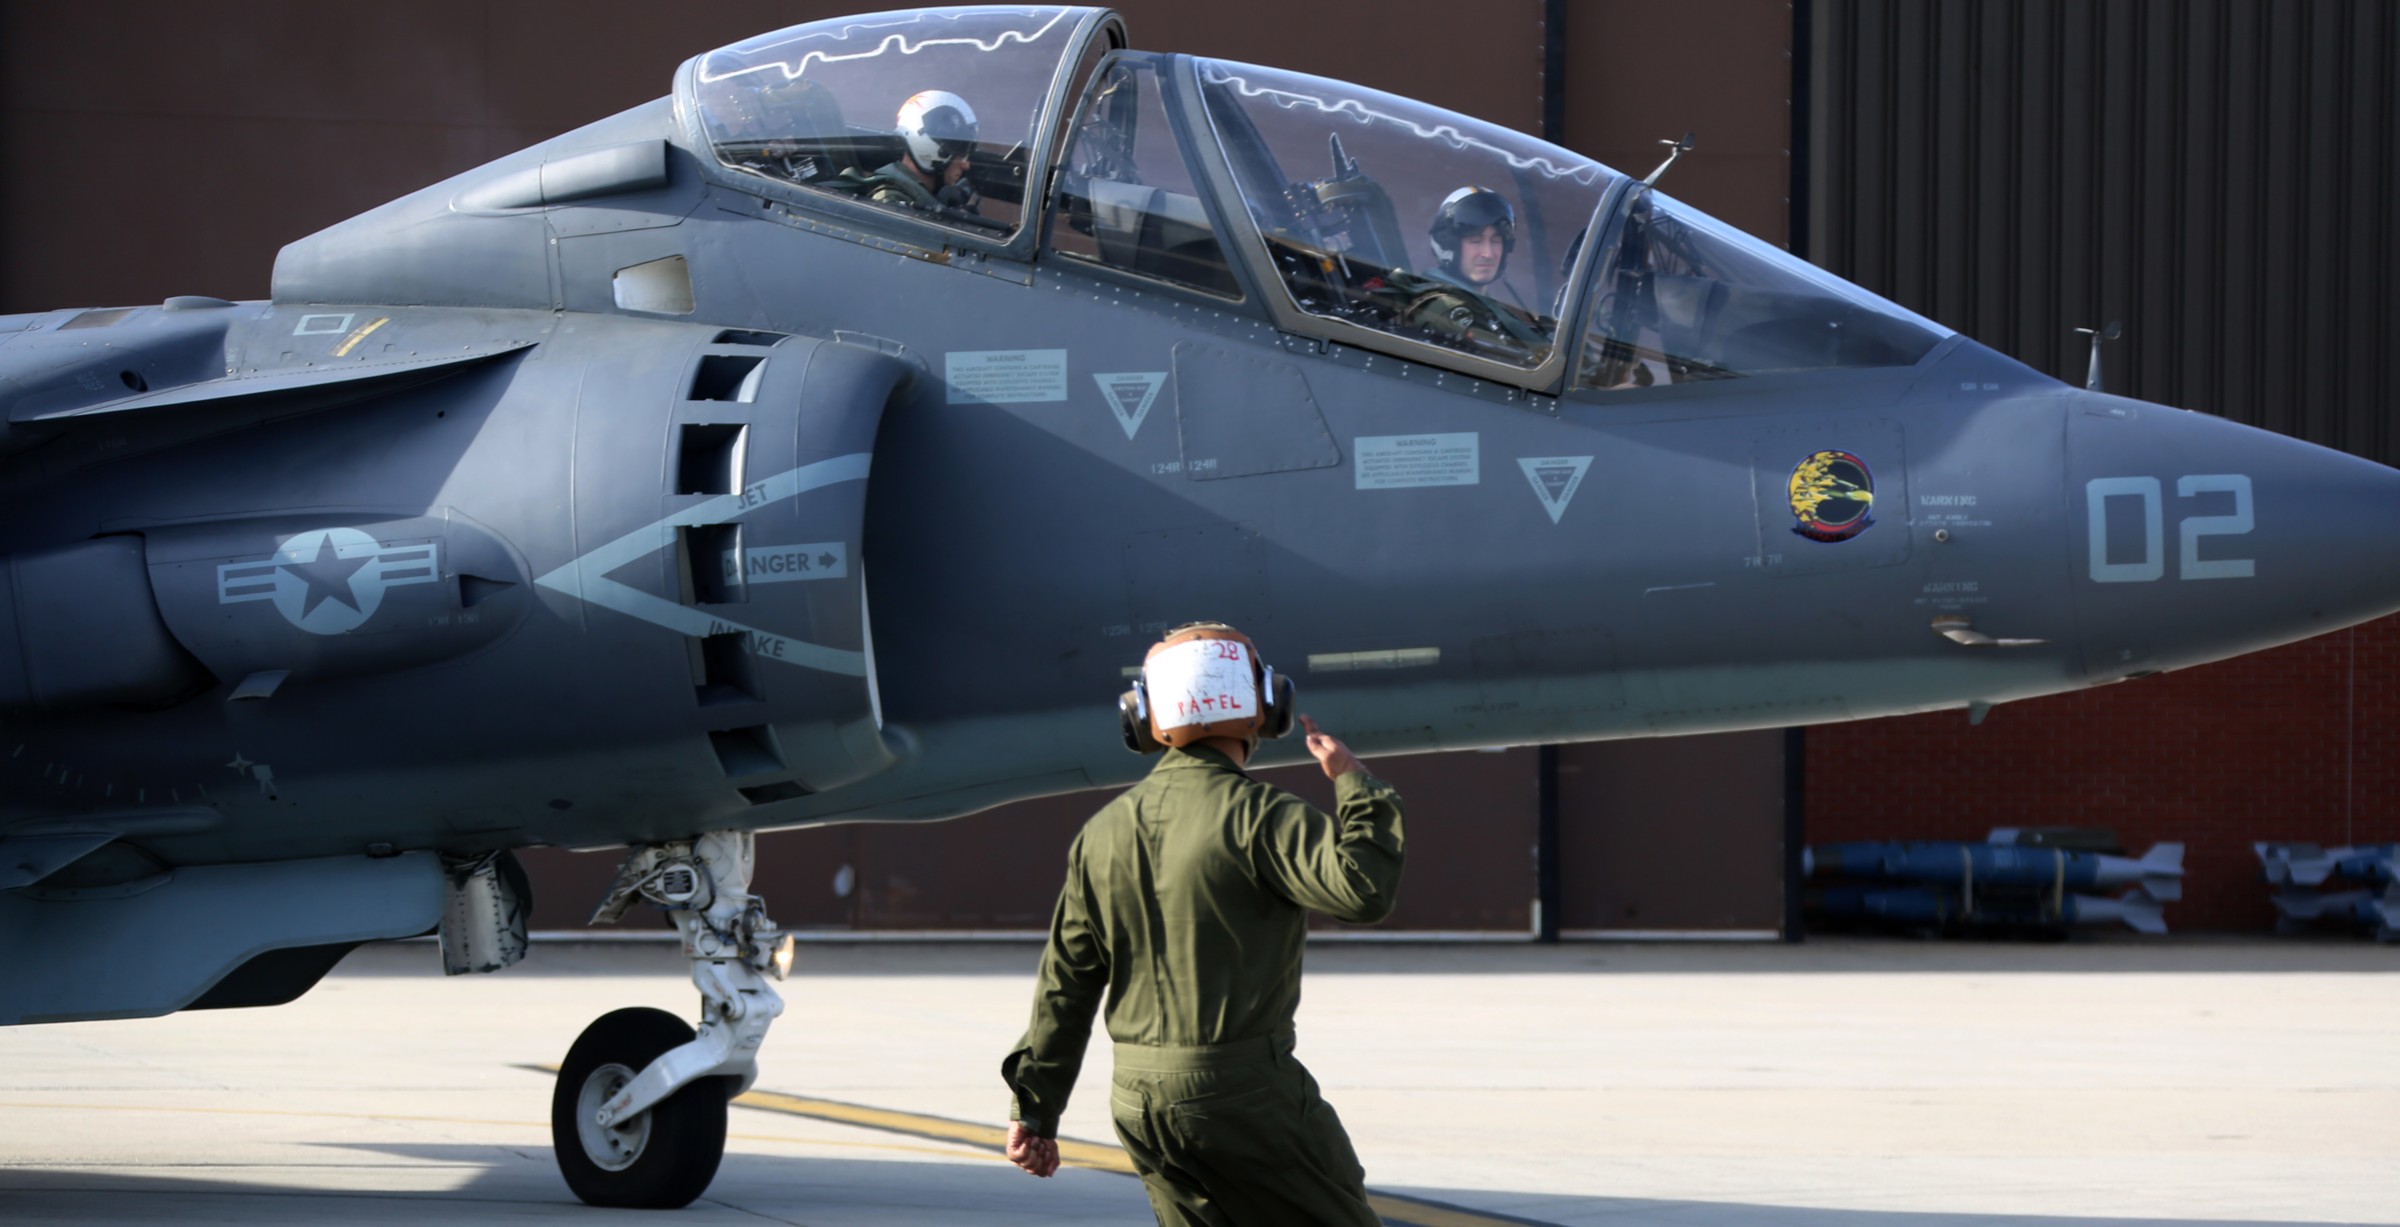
(764, 510)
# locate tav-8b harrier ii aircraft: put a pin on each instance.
(824, 442)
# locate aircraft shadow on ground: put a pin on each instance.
(520, 1182)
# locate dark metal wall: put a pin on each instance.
(1683, 835)
(1639, 72)
(2217, 174)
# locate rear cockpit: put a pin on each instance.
(1384, 214)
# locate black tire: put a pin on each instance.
(662, 1159)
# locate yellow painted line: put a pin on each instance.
(1412, 1212)
(359, 336)
(1394, 1209)
(1095, 1155)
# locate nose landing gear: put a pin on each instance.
(637, 1117)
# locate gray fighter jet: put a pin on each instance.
(825, 442)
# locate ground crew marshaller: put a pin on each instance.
(1186, 902)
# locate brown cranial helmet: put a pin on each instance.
(1204, 680)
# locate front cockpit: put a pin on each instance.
(1340, 213)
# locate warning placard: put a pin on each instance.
(1130, 395)
(1392, 462)
(1005, 376)
(1555, 480)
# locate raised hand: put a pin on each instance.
(1331, 754)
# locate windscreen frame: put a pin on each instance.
(1173, 102)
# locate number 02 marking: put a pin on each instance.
(2152, 563)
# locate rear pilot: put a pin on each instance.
(1473, 234)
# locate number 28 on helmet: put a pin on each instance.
(1204, 680)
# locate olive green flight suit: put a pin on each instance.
(1186, 902)
(1466, 318)
(892, 184)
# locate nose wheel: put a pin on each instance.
(657, 1159)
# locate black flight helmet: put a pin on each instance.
(1467, 211)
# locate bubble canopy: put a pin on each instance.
(1339, 211)
(932, 111)
(1392, 215)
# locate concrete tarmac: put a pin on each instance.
(1884, 1083)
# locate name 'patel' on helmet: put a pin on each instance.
(1204, 680)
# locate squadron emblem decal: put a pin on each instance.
(1833, 496)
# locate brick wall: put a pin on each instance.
(2298, 743)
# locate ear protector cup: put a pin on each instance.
(1133, 720)
(1283, 704)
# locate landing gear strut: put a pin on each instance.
(638, 1115)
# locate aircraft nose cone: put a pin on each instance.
(2196, 538)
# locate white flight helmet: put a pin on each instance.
(938, 126)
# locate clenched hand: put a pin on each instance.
(1036, 1155)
